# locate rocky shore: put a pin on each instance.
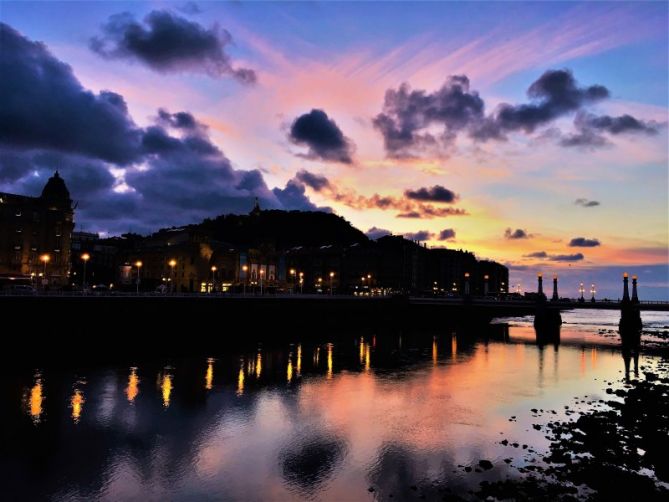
(613, 449)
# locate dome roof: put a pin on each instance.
(55, 190)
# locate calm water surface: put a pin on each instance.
(307, 420)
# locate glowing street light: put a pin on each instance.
(172, 263)
(592, 292)
(581, 290)
(331, 279)
(245, 269)
(293, 272)
(138, 264)
(262, 273)
(45, 258)
(85, 257)
(301, 281)
(213, 278)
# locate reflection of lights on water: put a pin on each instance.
(368, 357)
(582, 365)
(36, 400)
(132, 390)
(240, 380)
(593, 357)
(329, 373)
(435, 351)
(299, 359)
(258, 365)
(289, 369)
(209, 376)
(77, 404)
(166, 389)
(317, 356)
(454, 346)
(362, 349)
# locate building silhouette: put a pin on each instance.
(36, 232)
(265, 249)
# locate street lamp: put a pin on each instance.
(581, 290)
(292, 277)
(213, 277)
(301, 281)
(245, 268)
(138, 264)
(172, 263)
(592, 292)
(45, 258)
(331, 279)
(85, 257)
(262, 273)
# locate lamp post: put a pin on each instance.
(213, 278)
(331, 279)
(45, 258)
(138, 264)
(172, 263)
(581, 290)
(245, 269)
(84, 257)
(292, 278)
(262, 273)
(301, 281)
(592, 292)
(485, 284)
(466, 283)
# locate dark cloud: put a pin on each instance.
(554, 94)
(179, 120)
(543, 255)
(43, 105)
(437, 193)
(566, 257)
(413, 206)
(313, 181)
(518, 233)
(293, 196)
(409, 117)
(616, 125)
(421, 235)
(589, 129)
(536, 254)
(447, 234)
(158, 179)
(428, 211)
(168, 43)
(376, 233)
(408, 114)
(582, 242)
(586, 203)
(322, 136)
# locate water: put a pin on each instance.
(402, 413)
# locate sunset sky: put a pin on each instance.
(534, 134)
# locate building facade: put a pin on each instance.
(36, 233)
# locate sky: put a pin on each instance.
(534, 134)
